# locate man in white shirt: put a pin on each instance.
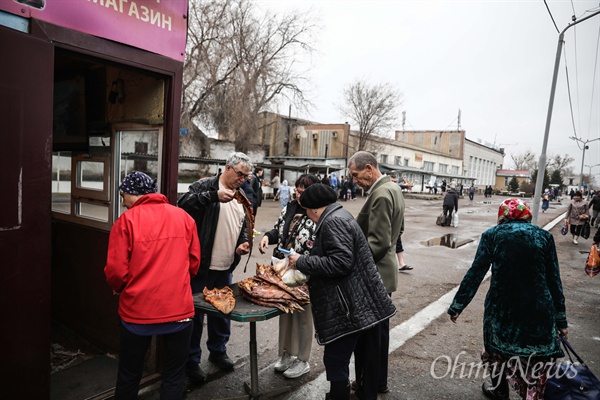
(223, 237)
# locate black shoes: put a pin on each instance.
(496, 393)
(221, 360)
(195, 374)
(354, 387)
(384, 389)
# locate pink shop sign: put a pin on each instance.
(159, 26)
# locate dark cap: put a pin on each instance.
(317, 196)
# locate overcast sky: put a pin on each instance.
(493, 60)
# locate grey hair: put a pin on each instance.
(361, 159)
(238, 157)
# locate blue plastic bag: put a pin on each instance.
(565, 228)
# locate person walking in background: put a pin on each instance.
(524, 308)
(594, 204)
(577, 215)
(344, 190)
(222, 231)
(471, 193)
(149, 265)
(334, 183)
(253, 194)
(325, 180)
(444, 186)
(275, 184)
(402, 266)
(435, 187)
(285, 193)
(349, 299)
(352, 187)
(257, 184)
(248, 189)
(450, 202)
(381, 219)
(294, 230)
(545, 202)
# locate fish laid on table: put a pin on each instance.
(267, 289)
(220, 298)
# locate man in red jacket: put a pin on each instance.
(153, 252)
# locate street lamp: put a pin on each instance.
(585, 147)
(590, 173)
(542, 163)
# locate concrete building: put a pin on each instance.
(504, 176)
(479, 162)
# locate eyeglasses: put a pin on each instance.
(239, 174)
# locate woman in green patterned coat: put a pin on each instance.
(524, 307)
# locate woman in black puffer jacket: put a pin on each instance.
(347, 295)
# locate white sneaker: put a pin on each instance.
(575, 241)
(297, 369)
(285, 362)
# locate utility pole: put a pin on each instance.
(542, 163)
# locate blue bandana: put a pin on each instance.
(138, 183)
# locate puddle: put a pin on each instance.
(449, 240)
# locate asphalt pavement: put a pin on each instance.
(430, 357)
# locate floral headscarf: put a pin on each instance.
(514, 210)
(138, 183)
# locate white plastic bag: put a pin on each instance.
(455, 219)
(280, 266)
(290, 276)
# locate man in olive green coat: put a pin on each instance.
(381, 219)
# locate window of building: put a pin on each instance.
(455, 170)
(85, 188)
(443, 168)
(428, 166)
(398, 160)
(384, 159)
(406, 160)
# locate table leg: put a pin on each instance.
(253, 362)
(252, 389)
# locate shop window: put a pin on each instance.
(61, 182)
(85, 186)
(80, 188)
(138, 148)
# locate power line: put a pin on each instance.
(576, 69)
(570, 100)
(548, 8)
(594, 80)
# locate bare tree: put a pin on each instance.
(239, 63)
(560, 163)
(524, 161)
(373, 108)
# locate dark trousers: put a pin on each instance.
(336, 358)
(367, 362)
(447, 210)
(576, 229)
(132, 353)
(219, 329)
